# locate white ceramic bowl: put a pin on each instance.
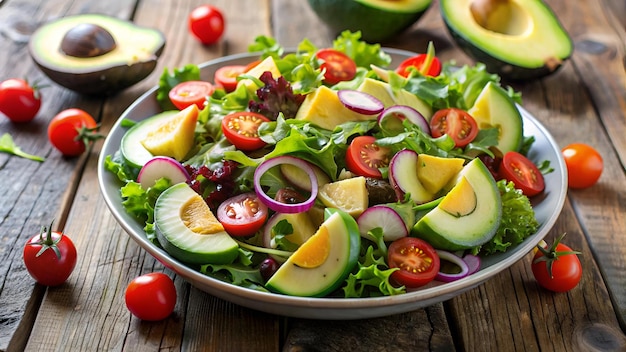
(547, 207)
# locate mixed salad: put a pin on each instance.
(297, 164)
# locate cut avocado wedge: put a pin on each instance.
(96, 54)
(187, 229)
(469, 214)
(131, 147)
(518, 39)
(377, 20)
(323, 262)
(494, 108)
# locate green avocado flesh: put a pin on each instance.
(518, 39)
(378, 20)
(495, 109)
(131, 58)
(345, 242)
(131, 148)
(179, 240)
(454, 231)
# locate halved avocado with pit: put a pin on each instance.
(518, 39)
(96, 54)
(377, 20)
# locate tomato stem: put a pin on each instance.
(47, 242)
(88, 135)
(551, 254)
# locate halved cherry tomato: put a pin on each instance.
(456, 123)
(417, 260)
(242, 215)
(584, 165)
(241, 129)
(522, 172)
(337, 66)
(364, 157)
(418, 61)
(226, 76)
(191, 92)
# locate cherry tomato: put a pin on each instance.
(151, 296)
(337, 66)
(584, 165)
(418, 61)
(522, 172)
(226, 76)
(19, 101)
(241, 129)
(206, 23)
(187, 93)
(251, 65)
(50, 257)
(71, 131)
(364, 157)
(558, 268)
(456, 123)
(242, 215)
(417, 259)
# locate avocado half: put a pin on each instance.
(377, 20)
(95, 54)
(518, 39)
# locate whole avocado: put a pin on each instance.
(377, 20)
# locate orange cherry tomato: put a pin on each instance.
(584, 165)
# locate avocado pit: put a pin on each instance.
(87, 40)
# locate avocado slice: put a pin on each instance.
(518, 39)
(95, 54)
(377, 20)
(468, 216)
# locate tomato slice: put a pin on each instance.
(337, 66)
(364, 157)
(242, 215)
(241, 129)
(191, 92)
(417, 260)
(456, 123)
(418, 61)
(516, 168)
(226, 76)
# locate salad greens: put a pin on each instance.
(455, 87)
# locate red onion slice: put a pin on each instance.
(473, 263)
(446, 277)
(272, 203)
(360, 102)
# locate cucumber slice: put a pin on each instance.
(131, 148)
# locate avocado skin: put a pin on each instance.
(375, 25)
(502, 68)
(122, 72)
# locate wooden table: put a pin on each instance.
(583, 102)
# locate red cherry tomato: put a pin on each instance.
(19, 101)
(522, 172)
(50, 257)
(151, 296)
(559, 269)
(418, 62)
(187, 93)
(584, 165)
(337, 66)
(71, 130)
(206, 23)
(241, 129)
(456, 123)
(226, 76)
(364, 157)
(417, 260)
(242, 215)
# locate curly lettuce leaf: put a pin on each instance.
(518, 220)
